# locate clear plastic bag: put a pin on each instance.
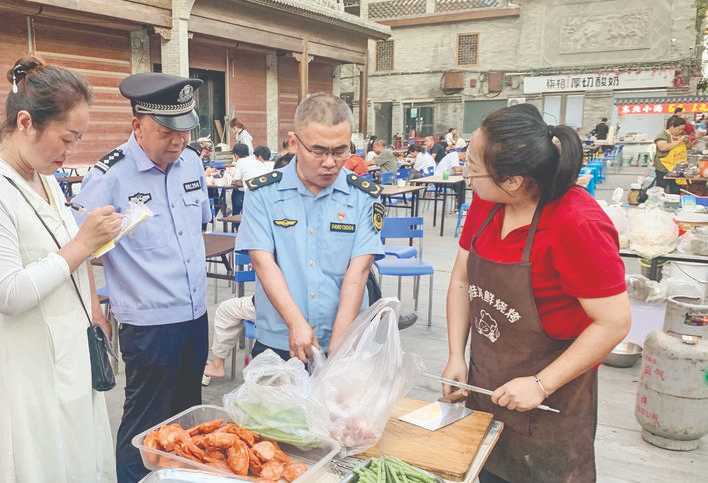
(618, 214)
(276, 401)
(694, 242)
(652, 231)
(369, 373)
(641, 288)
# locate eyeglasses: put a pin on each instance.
(339, 154)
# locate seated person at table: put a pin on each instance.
(249, 167)
(424, 162)
(356, 163)
(228, 324)
(453, 159)
(385, 157)
(453, 163)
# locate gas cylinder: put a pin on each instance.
(672, 399)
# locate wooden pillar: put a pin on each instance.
(304, 59)
(363, 98)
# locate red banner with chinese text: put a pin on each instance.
(663, 108)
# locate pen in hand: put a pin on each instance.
(75, 206)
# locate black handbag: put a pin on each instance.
(102, 377)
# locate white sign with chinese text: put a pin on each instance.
(599, 82)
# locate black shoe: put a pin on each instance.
(407, 320)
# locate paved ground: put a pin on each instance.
(622, 455)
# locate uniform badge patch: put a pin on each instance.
(377, 216)
(140, 198)
(194, 185)
(342, 227)
(285, 223)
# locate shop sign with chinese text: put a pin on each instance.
(599, 82)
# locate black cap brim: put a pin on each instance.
(183, 122)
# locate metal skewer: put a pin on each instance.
(478, 390)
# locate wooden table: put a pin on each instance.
(221, 247)
(395, 190)
(215, 246)
(438, 182)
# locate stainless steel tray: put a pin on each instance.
(177, 475)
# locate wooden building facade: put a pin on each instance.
(258, 58)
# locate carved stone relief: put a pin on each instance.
(612, 32)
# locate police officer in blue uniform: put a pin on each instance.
(156, 275)
(312, 231)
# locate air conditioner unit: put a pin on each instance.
(452, 81)
(513, 101)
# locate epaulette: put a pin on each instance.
(365, 185)
(107, 162)
(265, 180)
(193, 148)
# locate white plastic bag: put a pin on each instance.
(618, 214)
(642, 289)
(360, 384)
(652, 231)
(276, 402)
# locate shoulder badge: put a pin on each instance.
(107, 162)
(189, 146)
(364, 185)
(265, 180)
(377, 216)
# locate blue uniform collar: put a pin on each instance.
(292, 181)
(135, 152)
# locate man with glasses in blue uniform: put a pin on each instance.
(156, 276)
(312, 231)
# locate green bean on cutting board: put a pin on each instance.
(391, 470)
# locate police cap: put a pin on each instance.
(167, 98)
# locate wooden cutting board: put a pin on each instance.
(447, 452)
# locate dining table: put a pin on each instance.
(442, 186)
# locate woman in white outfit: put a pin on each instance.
(53, 426)
(241, 134)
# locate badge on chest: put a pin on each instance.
(140, 198)
(342, 227)
(194, 185)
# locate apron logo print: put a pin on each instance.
(487, 326)
(476, 292)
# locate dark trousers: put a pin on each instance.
(259, 348)
(459, 193)
(669, 185)
(163, 375)
(237, 201)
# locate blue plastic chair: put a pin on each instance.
(585, 171)
(243, 273)
(409, 267)
(397, 228)
(404, 173)
(387, 177)
(461, 214)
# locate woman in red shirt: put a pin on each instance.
(538, 289)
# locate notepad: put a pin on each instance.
(133, 216)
